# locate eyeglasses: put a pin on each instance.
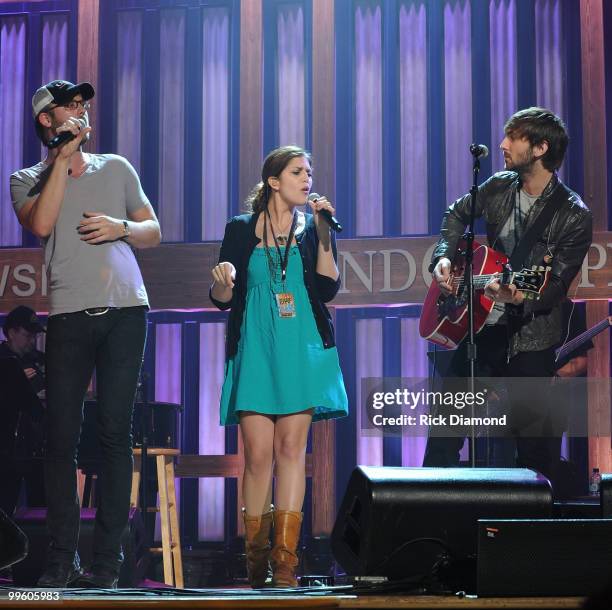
(73, 105)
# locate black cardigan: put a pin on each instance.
(237, 246)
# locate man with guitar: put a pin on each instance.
(534, 219)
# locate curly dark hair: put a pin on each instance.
(539, 125)
(273, 165)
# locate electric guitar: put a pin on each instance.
(576, 342)
(444, 319)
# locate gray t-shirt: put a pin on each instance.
(81, 275)
(509, 236)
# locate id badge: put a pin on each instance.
(286, 304)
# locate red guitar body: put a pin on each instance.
(444, 319)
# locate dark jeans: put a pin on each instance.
(77, 343)
(537, 437)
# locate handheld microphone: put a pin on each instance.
(332, 221)
(65, 136)
(479, 150)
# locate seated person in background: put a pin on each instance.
(22, 380)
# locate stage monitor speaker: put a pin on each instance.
(402, 522)
(13, 542)
(605, 496)
(33, 523)
(544, 557)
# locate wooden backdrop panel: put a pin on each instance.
(375, 271)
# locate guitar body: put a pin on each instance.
(444, 319)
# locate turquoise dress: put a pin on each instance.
(281, 366)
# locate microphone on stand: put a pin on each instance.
(332, 221)
(479, 150)
(65, 136)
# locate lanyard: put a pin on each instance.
(284, 260)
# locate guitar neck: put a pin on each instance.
(480, 281)
(576, 342)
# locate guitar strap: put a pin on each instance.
(531, 236)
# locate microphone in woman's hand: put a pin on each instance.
(332, 221)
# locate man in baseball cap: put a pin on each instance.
(21, 434)
(90, 211)
(20, 329)
(23, 317)
(60, 94)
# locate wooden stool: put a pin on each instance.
(171, 540)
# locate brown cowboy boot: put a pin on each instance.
(257, 547)
(284, 557)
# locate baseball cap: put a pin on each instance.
(23, 317)
(59, 92)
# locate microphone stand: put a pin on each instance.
(472, 355)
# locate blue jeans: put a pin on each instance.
(77, 343)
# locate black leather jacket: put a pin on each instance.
(534, 325)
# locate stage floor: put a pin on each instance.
(241, 598)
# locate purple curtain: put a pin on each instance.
(368, 119)
(168, 349)
(211, 491)
(550, 68)
(458, 97)
(291, 81)
(369, 358)
(55, 55)
(550, 54)
(12, 85)
(55, 45)
(414, 364)
(129, 89)
(171, 122)
(413, 117)
(503, 41)
(215, 210)
(168, 379)
(216, 72)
